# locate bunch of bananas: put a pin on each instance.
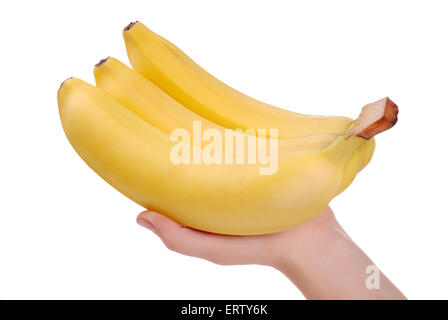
(123, 129)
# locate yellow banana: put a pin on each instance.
(153, 105)
(179, 76)
(135, 157)
(175, 73)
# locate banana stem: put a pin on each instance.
(374, 118)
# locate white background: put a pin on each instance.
(65, 233)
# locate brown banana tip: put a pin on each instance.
(375, 118)
(62, 83)
(101, 62)
(129, 26)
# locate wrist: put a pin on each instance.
(308, 242)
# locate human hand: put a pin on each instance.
(317, 256)
(269, 249)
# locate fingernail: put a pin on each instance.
(146, 224)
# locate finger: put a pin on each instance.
(179, 238)
(221, 249)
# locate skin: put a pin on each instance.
(317, 256)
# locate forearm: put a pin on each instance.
(329, 265)
(318, 256)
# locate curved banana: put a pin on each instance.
(134, 157)
(160, 110)
(171, 70)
